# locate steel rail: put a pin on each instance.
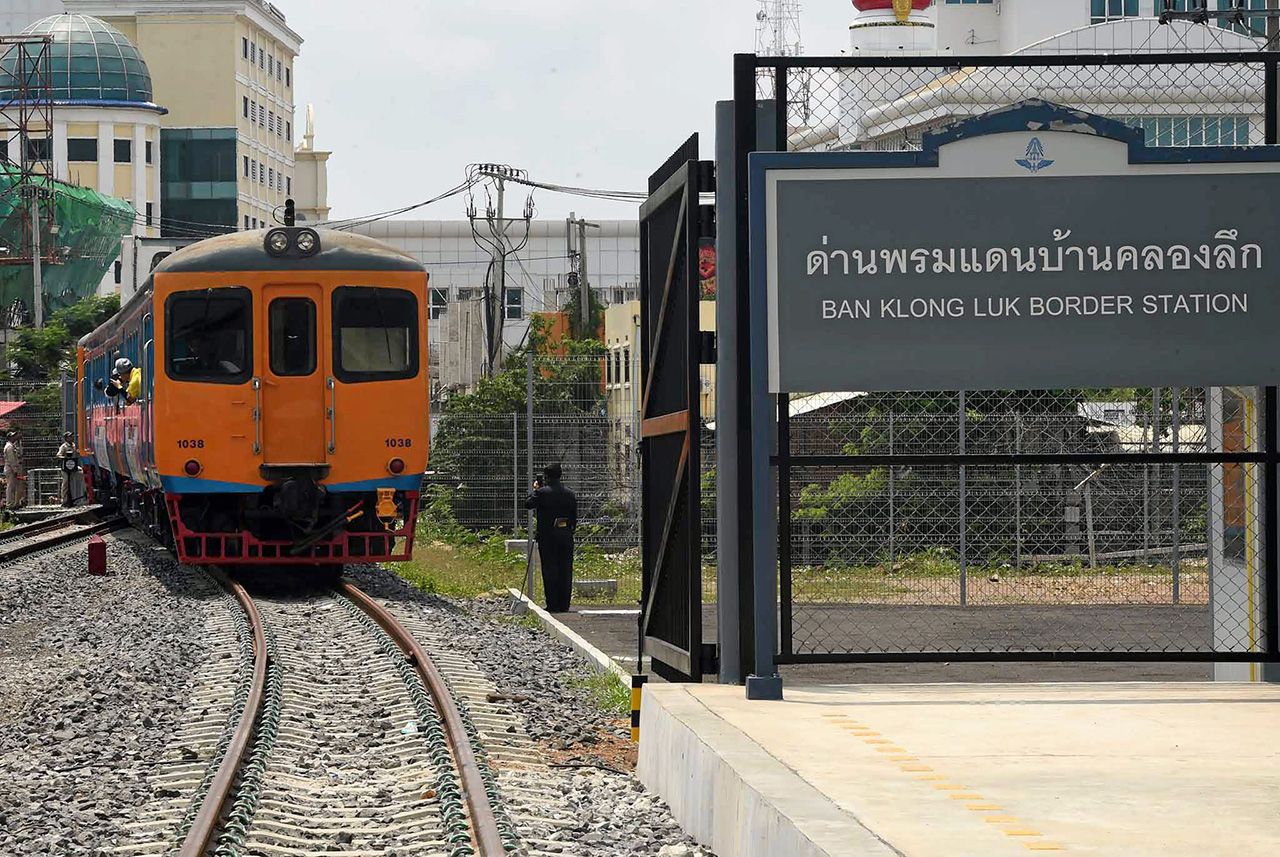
(42, 542)
(484, 824)
(200, 836)
(50, 523)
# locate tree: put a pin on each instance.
(39, 355)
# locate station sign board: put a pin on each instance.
(1020, 259)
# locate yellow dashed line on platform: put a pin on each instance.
(910, 764)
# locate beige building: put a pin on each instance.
(224, 69)
(311, 184)
(622, 372)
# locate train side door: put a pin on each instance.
(293, 390)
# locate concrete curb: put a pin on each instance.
(730, 794)
(596, 659)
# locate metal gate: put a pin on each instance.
(672, 221)
(1022, 525)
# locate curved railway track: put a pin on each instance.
(425, 788)
(56, 531)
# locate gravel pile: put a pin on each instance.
(614, 813)
(94, 676)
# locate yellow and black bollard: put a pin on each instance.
(637, 682)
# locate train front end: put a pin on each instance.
(291, 403)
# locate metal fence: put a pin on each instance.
(1032, 524)
(41, 421)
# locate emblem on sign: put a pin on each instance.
(1034, 161)
(902, 9)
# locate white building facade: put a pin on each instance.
(537, 275)
(890, 109)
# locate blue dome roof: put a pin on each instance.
(90, 60)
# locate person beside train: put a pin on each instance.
(67, 466)
(15, 473)
(556, 510)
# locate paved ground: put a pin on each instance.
(612, 629)
(1176, 770)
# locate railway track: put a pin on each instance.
(55, 532)
(341, 735)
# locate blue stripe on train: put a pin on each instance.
(188, 485)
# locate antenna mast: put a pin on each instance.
(778, 28)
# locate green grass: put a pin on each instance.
(605, 689)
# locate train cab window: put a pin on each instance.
(293, 336)
(209, 335)
(375, 334)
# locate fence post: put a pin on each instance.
(964, 509)
(1017, 492)
(893, 526)
(1176, 523)
(528, 437)
(1088, 523)
(515, 475)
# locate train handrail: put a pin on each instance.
(257, 416)
(332, 414)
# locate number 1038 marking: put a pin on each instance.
(399, 442)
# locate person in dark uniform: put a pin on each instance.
(556, 508)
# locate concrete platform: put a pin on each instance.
(1166, 769)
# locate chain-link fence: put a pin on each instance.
(1011, 521)
(41, 422)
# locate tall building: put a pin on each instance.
(311, 185)
(224, 69)
(17, 15)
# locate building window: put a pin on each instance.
(246, 166)
(279, 69)
(150, 151)
(262, 58)
(1192, 130)
(246, 222)
(439, 302)
(262, 173)
(253, 53)
(254, 174)
(82, 150)
(288, 185)
(514, 303)
(271, 121)
(124, 151)
(271, 179)
(150, 211)
(39, 148)
(288, 131)
(244, 46)
(1113, 10)
(288, 77)
(251, 111)
(245, 105)
(626, 365)
(1253, 25)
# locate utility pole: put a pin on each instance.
(579, 258)
(499, 247)
(37, 274)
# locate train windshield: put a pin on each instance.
(209, 335)
(375, 334)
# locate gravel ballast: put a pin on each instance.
(94, 675)
(614, 813)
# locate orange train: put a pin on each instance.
(279, 407)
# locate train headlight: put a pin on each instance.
(307, 242)
(277, 242)
(396, 466)
(192, 468)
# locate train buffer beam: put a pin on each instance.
(947, 769)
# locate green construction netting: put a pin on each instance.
(89, 229)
